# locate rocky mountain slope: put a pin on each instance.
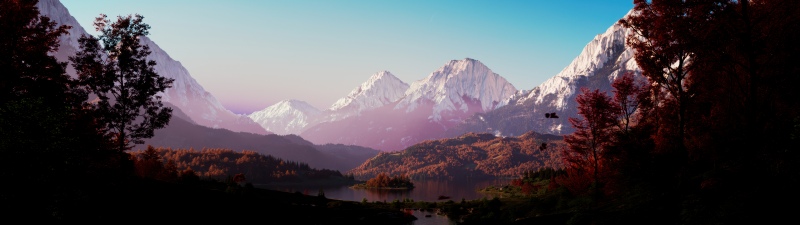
(200, 105)
(603, 60)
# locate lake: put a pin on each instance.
(424, 190)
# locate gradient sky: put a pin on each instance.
(251, 54)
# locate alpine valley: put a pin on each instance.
(462, 96)
(382, 114)
(656, 121)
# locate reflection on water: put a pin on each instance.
(424, 190)
(428, 218)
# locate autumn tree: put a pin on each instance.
(629, 95)
(664, 38)
(115, 69)
(593, 133)
(148, 164)
(48, 141)
(729, 71)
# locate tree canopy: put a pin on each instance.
(114, 68)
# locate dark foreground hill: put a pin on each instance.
(138, 200)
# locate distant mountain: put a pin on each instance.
(458, 88)
(200, 121)
(602, 61)
(380, 89)
(429, 107)
(202, 107)
(286, 117)
(184, 134)
(469, 156)
(294, 116)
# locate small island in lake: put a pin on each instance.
(383, 181)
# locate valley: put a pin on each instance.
(675, 114)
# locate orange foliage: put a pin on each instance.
(219, 164)
(472, 155)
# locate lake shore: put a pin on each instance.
(365, 186)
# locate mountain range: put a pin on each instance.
(383, 113)
(386, 113)
(465, 96)
(602, 61)
(200, 121)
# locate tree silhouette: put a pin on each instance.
(48, 141)
(114, 68)
(628, 95)
(664, 38)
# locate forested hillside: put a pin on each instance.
(472, 155)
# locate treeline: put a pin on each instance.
(534, 182)
(472, 155)
(221, 164)
(384, 181)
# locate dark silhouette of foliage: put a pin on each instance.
(114, 69)
(28, 69)
(664, 40)
(48, 138)
(629, 95)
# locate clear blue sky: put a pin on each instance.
(251, 54)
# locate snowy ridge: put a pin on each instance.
(599, 52)
(186, 93)
(380, 89)
(601, 61)
(453, 84)
(286, 117)
(594, 56)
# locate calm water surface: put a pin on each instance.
(433, 220)
(424, 190)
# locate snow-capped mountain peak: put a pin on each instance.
(601, 62)
(606, 48)
(380, 89)
(455, 86)
(285, 117)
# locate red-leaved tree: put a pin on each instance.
(594, 132)
(628, 96)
